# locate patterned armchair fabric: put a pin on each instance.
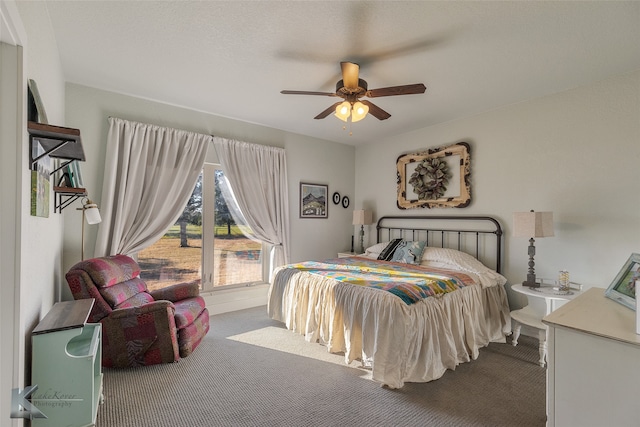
(139, 327)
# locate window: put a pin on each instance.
(177, 256)
(237, 253)
(220, 255)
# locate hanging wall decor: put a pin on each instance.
(336, 198)
(313, 200)
(436, 178)
(40, 182)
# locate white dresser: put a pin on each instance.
(593, 376)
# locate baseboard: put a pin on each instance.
(226, 300)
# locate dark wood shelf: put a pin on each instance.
(56, 141)
(67, 195)
(65, 315)
(51, 131)
(70, 190)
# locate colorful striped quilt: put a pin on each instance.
(409, 282)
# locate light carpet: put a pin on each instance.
(251, 371)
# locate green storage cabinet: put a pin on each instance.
(67, 359)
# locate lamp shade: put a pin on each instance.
(532, 224)
(91, 213)
(362, 217)
(359, 112)
(343, 111)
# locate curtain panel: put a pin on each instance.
(150, 173)
(258, 177)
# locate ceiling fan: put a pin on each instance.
(352, 88)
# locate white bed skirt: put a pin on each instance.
(398, 342)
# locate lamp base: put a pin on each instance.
(531, 284)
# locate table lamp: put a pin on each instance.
(362, 217)
(533, 225)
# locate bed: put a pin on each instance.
(405, 321)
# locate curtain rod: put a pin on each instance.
(151, 124)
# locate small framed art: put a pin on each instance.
(345, 202)
(313, 200)
(336, 198)
(623, 287)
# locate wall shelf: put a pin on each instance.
(54, 141)
(67, 195)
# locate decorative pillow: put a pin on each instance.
(388, 251)
(408, 252)
(374, 251)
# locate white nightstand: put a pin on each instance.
(346, 254)
(542, 301)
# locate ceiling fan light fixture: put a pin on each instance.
(343, 111)
(351, 88)
(359, 112)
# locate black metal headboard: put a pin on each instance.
(470, 234)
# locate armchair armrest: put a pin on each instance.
(140, 335)
(152, 308)
(177, 292)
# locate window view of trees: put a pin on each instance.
(237, 256)
(192, 213)
(223, 215)
(177, 256)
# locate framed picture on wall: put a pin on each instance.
(40, 182)
(435, 178)
(623, 287)
(313, 200)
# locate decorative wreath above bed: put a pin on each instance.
(432, 178)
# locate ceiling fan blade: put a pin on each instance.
(328, 111)
(304, 92)
(376, 111)
(350, 76)
(396, 90)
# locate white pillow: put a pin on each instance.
(452, 256)
(462, 261)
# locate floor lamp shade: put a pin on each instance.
(92, 214)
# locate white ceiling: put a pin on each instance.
(232, 58)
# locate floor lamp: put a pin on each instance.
(532, 224)
(362, 217)
(91, 215)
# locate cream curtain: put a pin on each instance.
(150, 172)
(258, 177)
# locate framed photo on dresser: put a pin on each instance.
(623, 287)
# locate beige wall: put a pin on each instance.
(40, 239)
(31, 247)
(575, 153)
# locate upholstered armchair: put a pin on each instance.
(139, 327)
